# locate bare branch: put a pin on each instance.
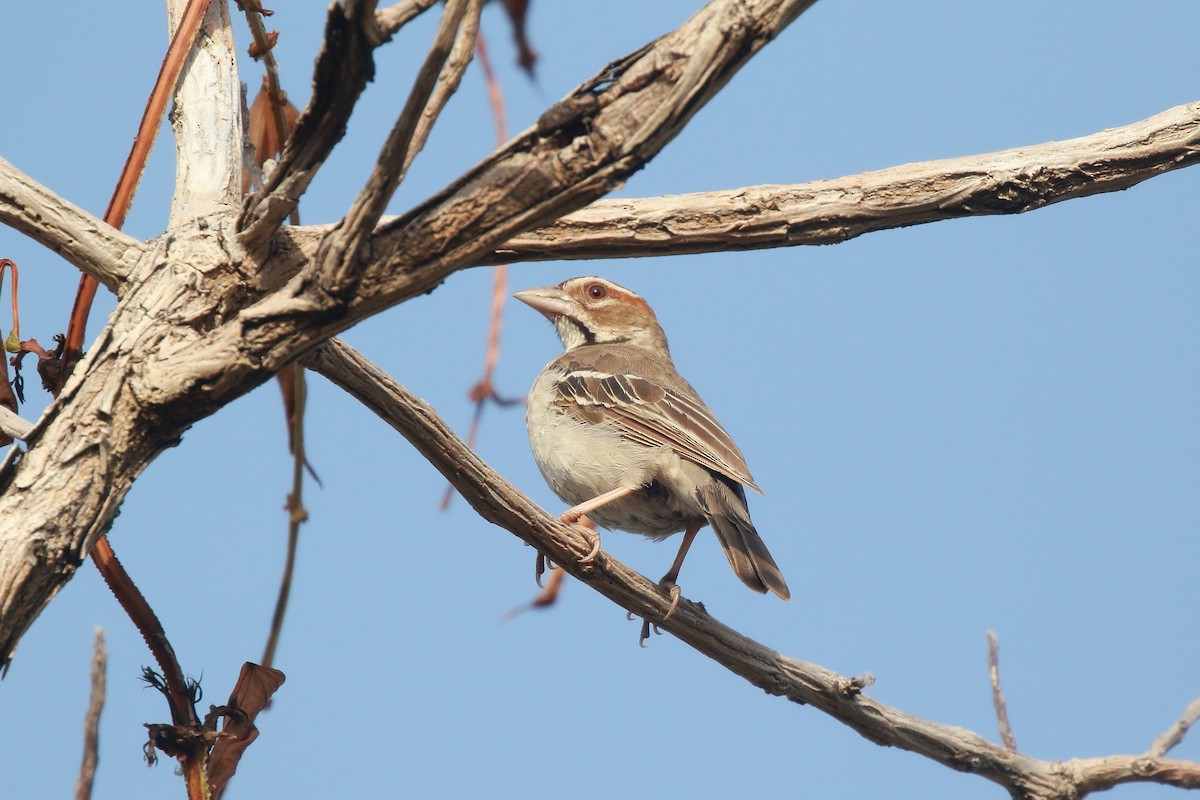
(125, 410)
(208, 106)
(91, 722)
(585, 146)
(802, 682)
(1006, 734)
(344, 68)
(824, 212)
(1174, 734)
(1099, 774)
(338, 256)
(13, 424)
(448, 80)
(394, 17)
(96, 248)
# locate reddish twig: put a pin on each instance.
(291, 379)
(495, 94)
(135, 165)
(484, 389)
(261, 50)
(179, 694)
(297, 514)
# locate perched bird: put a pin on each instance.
(622, 437)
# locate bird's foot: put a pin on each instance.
(588, 529)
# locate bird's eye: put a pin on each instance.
(597, 291)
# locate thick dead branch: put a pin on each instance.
(13, 424)
(802, 682)
(585, 146)
(824, 212)
(208, 163)
(96, 248)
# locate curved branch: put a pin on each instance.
(841, 698)
(825, 212)
(96, 248)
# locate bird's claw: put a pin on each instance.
(539, 568)
(647, 625)
(593, 539)
(672, 590)
(587, 528)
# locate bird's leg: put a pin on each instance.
(575, 515)
(668, 580)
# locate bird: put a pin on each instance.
(619, 435)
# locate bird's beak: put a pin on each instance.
(551, 301)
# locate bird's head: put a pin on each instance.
(591, 310)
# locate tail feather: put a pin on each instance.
(725, 510)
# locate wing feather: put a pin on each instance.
(654, 415)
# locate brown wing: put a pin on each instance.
(656, 416)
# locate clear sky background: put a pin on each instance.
(981, 424)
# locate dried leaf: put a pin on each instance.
(250, 695)
(264, 134)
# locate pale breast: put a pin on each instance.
(580, 461)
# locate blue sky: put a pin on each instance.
(981, 424)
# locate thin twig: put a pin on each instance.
(264, 48)
(484, 389)
(495, 94)
(292, 379)
(343, 69)
(91, 722)
(397, 15)
(337, 260)
(1174, 734)
(448, 81)
(1006, 734)
(297, 514)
